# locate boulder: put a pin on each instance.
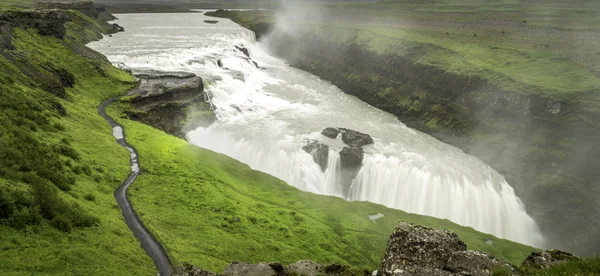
(190, 270)
(244, 269)
(354, 138)
(474, 263)
(351, 137)
(331, 132)
(416, 249)
(304, 268)
(547, 258)
(351, 158)
(116, 28)
(319, 152)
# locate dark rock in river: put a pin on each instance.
(319, 152)
(331, 132)
(354, 138)
(351, 137)
(117, 28)
(422, 251)
(351, 158)
(211, 21)
(547, 258)
(244, 50)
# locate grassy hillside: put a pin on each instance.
(59, 163)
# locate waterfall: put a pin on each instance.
(266, 115)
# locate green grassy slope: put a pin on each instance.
(75, 226)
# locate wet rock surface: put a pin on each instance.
(319, 152)
(351, 157)
(350, 137)
(244, 50)
(331, 132)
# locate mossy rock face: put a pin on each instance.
(47, 22)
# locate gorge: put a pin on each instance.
(267, 112)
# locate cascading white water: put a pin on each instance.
(266, 115)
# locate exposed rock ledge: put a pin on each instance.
(174, 102)
(351, 156)
(412, 250)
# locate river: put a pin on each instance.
(266, 114)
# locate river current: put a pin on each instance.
(266, 114)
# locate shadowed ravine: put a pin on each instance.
(148, 242)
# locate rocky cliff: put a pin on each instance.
(173, 102)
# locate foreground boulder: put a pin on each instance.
(547, 258)
(422, 251)
(261, 269)
(305, 268)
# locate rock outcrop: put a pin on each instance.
(319, 152)
(412, 250)
(547, 258)
(244, 50)
(174, 102)
(47, 22)
(351, 156)
(305, 268)
(417, 250)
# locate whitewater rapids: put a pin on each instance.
(266, 114)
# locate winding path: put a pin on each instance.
(149, 243)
